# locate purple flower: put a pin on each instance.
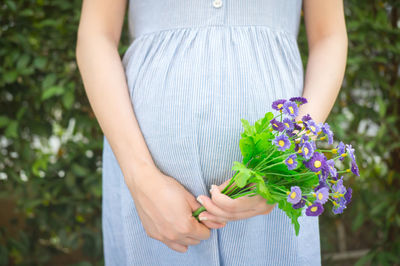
(331, 167)
(297, 147)
(294, 196)
(350, 152)
(300, 204)
(299, 100)
(288, 123)
(290, 133)
(313, 127)
(326, 129)
(321, 185)
(339, 205)
(313, 145)
(306, 118)
(341, 149)
(315, 209)
(335, 177)
(307, 150)
(291, 161)
(303, 139)
(297, 126)
(322, 195)
(338, 188)
(324, 173)
(282, 142)
(290, 108)
(354, 168)
(348, 194)
(279, 126)
(278, 104)
(317, 162)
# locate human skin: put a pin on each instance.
(327, 55)
(164, 206)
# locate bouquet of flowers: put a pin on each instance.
(282, 162)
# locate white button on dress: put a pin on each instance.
(217, 3)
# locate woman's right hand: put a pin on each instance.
(165, 209)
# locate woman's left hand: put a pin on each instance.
(221, 208)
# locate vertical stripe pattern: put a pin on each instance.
(193, 71)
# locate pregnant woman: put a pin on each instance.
(170, 112)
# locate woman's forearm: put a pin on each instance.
(106, 87)
(324, 75)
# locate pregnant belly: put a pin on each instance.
(189, 97)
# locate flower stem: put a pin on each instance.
(198, 211)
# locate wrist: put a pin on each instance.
(140, 172)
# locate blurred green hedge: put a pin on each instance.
(51, 144)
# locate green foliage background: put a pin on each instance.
(50, 142)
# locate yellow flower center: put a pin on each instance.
(286, 124)
(312, 128)
(290, 161)
(334, 150)
(280, 106)
(305, 150)
(281, 143)
(314, 209)
(291, 109)
(293, 195)
(317, 164)
(320, 196)
(275, 125)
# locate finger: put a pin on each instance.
(200, 231)
(214, 209)
(176, 246)
(208, 217)
(191, 241)
(211, 223)
(239, 216)
(225, 202)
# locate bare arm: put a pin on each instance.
(327, 42)
(164, 205)
(105, 83)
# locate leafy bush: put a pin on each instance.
(50, 159)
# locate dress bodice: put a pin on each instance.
(157, 15)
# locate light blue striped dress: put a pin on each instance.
(194, 69)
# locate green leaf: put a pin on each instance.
(4, 120)
(246, 145)
(10, 76)
(292, 213)
(12, 130)
(52, 91)
(261, 188)
(263, 123)
(248, 129)
(244, 174)
(262, 142)
(68, 99)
